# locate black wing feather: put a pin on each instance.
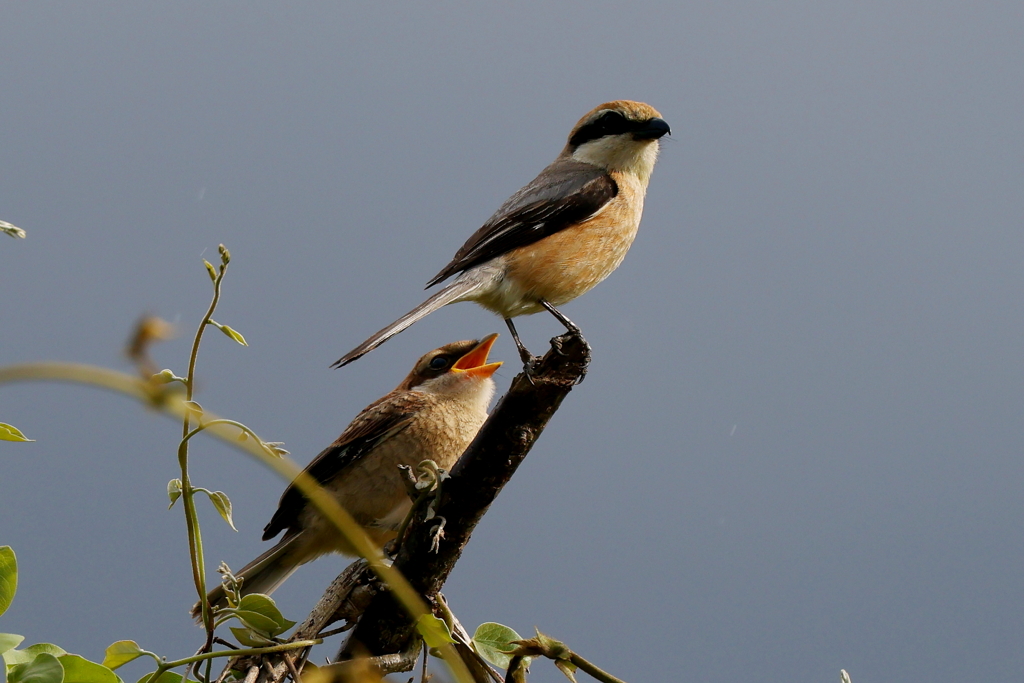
(565, 193)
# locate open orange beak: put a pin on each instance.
(475, 362)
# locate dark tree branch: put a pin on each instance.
(477, 478)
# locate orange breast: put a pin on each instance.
(565, 265)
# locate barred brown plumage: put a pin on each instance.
(433, 414)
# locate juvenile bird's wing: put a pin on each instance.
(565, 193)
(377, 423)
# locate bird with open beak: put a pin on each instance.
(432, 415)
(556, 238)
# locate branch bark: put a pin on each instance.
(486, 466)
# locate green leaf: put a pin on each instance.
(165, 677)
(568, 668)
(81, 670)
(9, 641)
(434, 631)
(44, 668)
(250, 638)
(166, 376)
(221, 501)
(8, 577)
(11, 433)
(121, 652)
(12, 230)
(233, 334)
(256, 621)
(263, 605)
(12, 657)
(493, 642)
(173, 491)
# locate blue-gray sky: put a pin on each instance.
(799, 445)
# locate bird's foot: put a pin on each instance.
(573, 329)
(530, 364)
(570, 337)
(437, 534)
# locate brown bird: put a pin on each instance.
(560, 235)
(432, 415)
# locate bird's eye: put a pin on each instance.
(439, 363)
(613, 122)
(608, 123)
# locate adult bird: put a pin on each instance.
(432, 415)
(560, 235)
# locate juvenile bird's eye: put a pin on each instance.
(439, 363)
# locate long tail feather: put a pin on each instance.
(454, 292)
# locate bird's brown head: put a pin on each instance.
(453, 368)
(619, 136)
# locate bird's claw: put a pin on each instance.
(557, 346)
(530, 363)
(437, 534)
(531, 368)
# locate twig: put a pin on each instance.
(291, 668)
(335, 631)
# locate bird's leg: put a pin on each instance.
(524, 353)
(569, 325)
(573, 330)
(529, 362)
(425, 488)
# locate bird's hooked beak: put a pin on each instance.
(654, 129)
(475, 362)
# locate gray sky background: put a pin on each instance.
(799, 445)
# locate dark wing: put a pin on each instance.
(378, 422)
(565, 193)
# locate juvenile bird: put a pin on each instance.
(560, 235)
(432, 415)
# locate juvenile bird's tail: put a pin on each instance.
(456, 291)
(264, 574)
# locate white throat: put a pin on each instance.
(621, 153)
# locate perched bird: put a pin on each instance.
(432, 415)
(560, 235)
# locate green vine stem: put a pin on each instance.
(599, 674)
(195, 538)
(241, 652)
